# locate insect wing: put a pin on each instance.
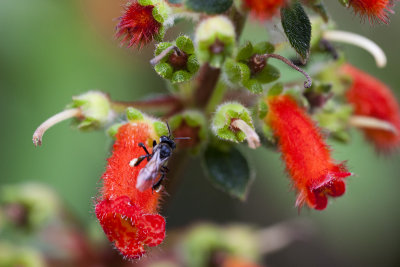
(147, 176)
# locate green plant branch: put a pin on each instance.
(208, 76)
(165, 104)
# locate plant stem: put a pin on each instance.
(208, 76)
(307, 84)
(166, 104)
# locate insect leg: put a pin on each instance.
(157, 186)
(144, 148)
(140, 159)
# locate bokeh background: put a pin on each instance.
(51, 50)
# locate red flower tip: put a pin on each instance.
(128, 216)
(138, 25)
(264, 9)
(372, 98)
(128, 227)
(375, 10)
(308, 161)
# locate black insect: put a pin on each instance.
(152, 175)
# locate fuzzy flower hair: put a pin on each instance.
(372, 98)
(314, 173)
(128, 216)
(374, 10)
(264, 9)
(138, 26)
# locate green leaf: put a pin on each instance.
(297, 27)
(318, 8)
(180, 76)
(193, 64)
(275, 90)
(228, 170)
(161, 47)
(209, 6)
(254, 86)
(268, 74)
(164, 70)
(245, 52)
(185, 44)
(264, 48)
(236, 72)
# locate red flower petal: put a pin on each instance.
(373, 9)
(307, 157)
(370, 97)
(127, 215)
(124, 224)
(264, 9)
(120, 178)
(137, 25)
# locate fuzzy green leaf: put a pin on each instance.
(263, 48)
(254, 86)
(185, 44)
(268, 74)
(297, 27)
(245, 52)
(180, 76)
(164, 70)
(228, 170)
(209, 6)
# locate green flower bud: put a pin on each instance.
(215, 39)
(233, 122)
(133, 114)
(28, 206)
(95, 110)
(11, 255)
(160, 128)
(113, 129)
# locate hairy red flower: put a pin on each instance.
(314, 173)
(264, 9)
(372, 98)
(373, 9)
(137, 25)
(129, 217)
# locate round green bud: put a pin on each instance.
(225, 115)
(95, 108)
(215, 39)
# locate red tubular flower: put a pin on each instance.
(373, 9)
(264, 9)
(308, 161)
(129, 217)
(138, 25)
(372, 98)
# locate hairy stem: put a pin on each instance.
(163, 54)
(165, 104)
(307, 84)
(208, 76)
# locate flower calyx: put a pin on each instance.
(233, 122)
(177, 61)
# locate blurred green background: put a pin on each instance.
(51, 50)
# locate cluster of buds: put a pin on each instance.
(222, 95)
